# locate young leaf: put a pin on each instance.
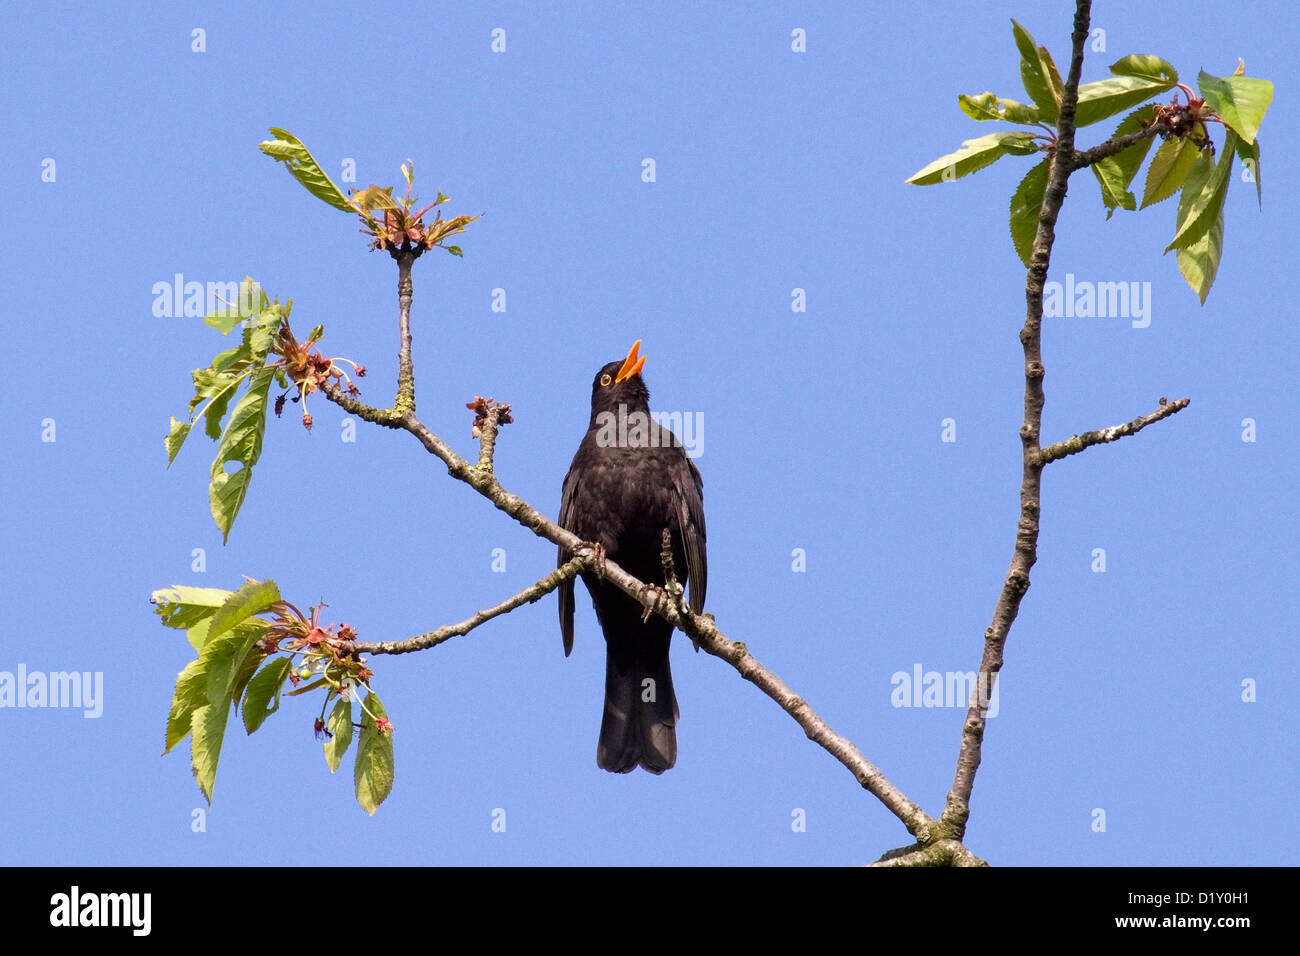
(340, 728)
(1169, 169)
(1240, 101)
(287, 149)
(1203, 195)
(176, 436)
(252, 598)
(226, 494)
(987, 106)
(223, 659)
(1249, 155)
(1113, 194)
(974, 155)
(216, 410)
(1115, 173)
(208, 729)
(1104, 98)
(269, 681)
(1038, 73)
(1147, 66)
(210, 383)
(1026, 202)
(373, 771)
(181, 606)
(191, 693)
(251, 660)
(241, 442)
(260, 335)
(376, 197)
(1199, 262)
(223, 320)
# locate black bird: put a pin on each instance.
(631, 479)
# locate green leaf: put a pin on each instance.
(181, 606)
(340, 728)
(1199, 262)
(376, 197)
(1113, 193)
(269, 681)
(288, 149)
(252, 598)
(1249, 155)
(988, 106)
(1115, 173)
(216, 411)
(1026, 202)
(1145, 65)
(226, 494)
(1038, 73)
(260, 336)
(373, 771)
(974, 155)
(252, 659)
(1240, 101)
(241, 442)
(223, 320)
(1104, 98)
(191, 693)
(223, 659)
(1167, 172)
(176, 436)
(1203, 195)
(211, 382)
(230, 359)
(454, 250)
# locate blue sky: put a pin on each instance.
(775, 171)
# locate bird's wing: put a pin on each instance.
(690, 518)
(567, 499)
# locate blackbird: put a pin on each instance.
(631, 479)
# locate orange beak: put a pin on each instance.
(631, 365)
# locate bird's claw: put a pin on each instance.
(598, 558)
(659, 596)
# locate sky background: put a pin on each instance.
(775, 170)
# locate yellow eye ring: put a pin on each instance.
(605, 379)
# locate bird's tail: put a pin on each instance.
(640, 717)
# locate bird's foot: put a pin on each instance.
(658, 597)
(598, 558)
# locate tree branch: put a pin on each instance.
(1072, 446)
(1118, 144)
(528, 595)
(405, 366)
(957, 806)
(939, 853)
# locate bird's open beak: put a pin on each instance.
(631, 364)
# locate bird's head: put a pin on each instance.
(620, 383)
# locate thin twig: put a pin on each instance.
(1119, 144)
(405, 365)
(433, 638)
(1072, 446)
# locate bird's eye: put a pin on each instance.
(605, 379)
